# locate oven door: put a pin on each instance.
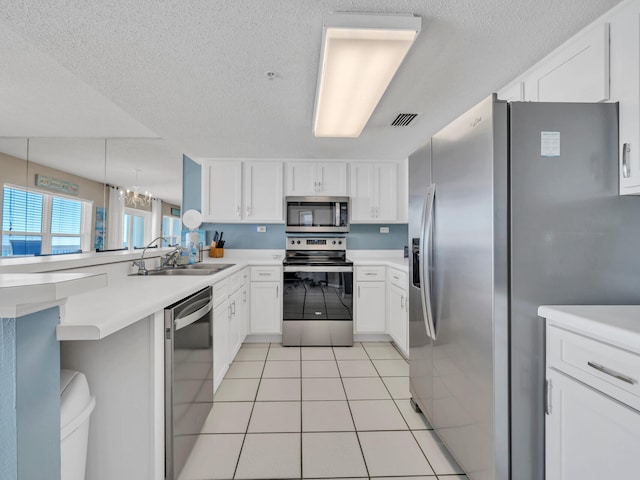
(317, 305)
(317, 214)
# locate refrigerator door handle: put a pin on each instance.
(425, 246)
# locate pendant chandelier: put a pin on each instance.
(133, 197)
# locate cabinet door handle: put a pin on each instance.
(369, 274)
(373, 212)
(244, 297)
(233, 308)
(547, 399)
(402, 302)
(626, 166)
(358, 291)
(277, 291)
(264, 274)
(611, 373)
(248, 211)
(238, 211)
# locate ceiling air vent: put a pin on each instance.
(403, 119)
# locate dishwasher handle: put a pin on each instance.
(184, 320)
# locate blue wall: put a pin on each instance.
(245, 236)
(8, 435)
(191, 184)
(30, 397)
(361, 236)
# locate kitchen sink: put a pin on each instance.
(194, 269)
(181, 271)
(206, 266)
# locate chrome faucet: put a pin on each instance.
(142, 270)
(171, 258)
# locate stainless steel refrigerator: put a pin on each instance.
(511, 206)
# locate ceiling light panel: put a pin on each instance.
(358, 63)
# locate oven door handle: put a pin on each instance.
(182, 322)
(317, 268)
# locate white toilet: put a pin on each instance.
(76, 405)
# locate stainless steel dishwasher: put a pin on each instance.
(188, 376)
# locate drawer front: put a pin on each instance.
(398, 278)
(265, 274)
(220, 292)
(370, 274)
(612, 370)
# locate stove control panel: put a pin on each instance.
(316, 243)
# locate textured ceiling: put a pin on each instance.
(193, 71)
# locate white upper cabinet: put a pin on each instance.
(235, 191)
(625, 81)
(374, 192)
(316, 179)
(221, 191)
(263, 191)
(576, 72)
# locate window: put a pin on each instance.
(35, 223)
(136, 228)
(171, 230)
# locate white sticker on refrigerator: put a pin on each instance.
(550, 144)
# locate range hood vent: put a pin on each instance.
(403, 119)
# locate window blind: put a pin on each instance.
(22, 211)
(66, 216)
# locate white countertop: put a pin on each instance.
(399, 263)
(23, 293)
(619, 324)
(390, 258)
(127, 299)
(95, 315)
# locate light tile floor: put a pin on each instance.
(321, 413)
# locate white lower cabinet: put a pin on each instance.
(243, 305)
(266, 300)
(592, 392)
(370, 301)
(235, 320)
(221, 320)
(589, 436)
(398, 309)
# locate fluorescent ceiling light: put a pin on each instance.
(360, 55)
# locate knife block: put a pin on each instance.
(216, 252)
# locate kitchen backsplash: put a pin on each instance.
(360, 237)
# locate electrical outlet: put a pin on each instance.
(261, 229)
(384, 229)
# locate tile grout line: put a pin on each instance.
(301, 417)
(356, 431)
(400, 412)
(253, 405)
(355, 428)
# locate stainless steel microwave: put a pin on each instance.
(317, 214)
